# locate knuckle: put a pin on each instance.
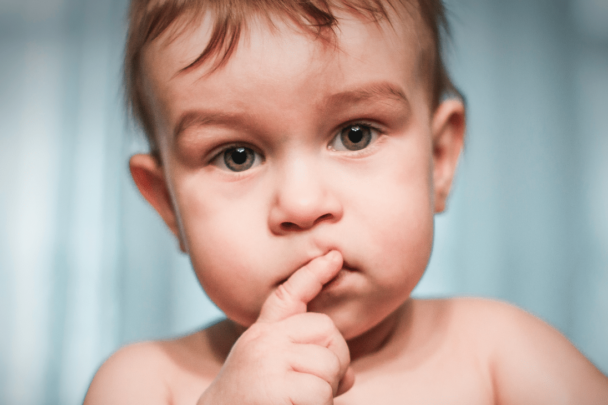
(256, 336)
(284, 291)
(324, 390)
(326, 324)
(334, 367)
(254, 332)
(285, 299)
(320, 389)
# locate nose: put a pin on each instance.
(302, 200)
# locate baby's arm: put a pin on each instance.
(534, 364)
(287, 356)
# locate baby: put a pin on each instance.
(299, 152)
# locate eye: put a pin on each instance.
(237, 159)
(354, 137)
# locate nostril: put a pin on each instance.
(289, 226)
(323, 218)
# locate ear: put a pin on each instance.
(149, 177)
(448, 126)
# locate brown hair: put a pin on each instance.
(148, 19)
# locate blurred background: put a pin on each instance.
(86, 266)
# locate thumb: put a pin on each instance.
(292, 297)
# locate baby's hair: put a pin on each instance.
(148, 19)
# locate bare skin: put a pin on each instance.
(458, 351)
(302, 181)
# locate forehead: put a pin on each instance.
(277, 63)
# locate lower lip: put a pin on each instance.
(338, 280)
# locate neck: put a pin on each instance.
(363, 345)
(377, 337)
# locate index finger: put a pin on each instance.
(292, 297)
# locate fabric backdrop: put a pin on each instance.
(86, 266)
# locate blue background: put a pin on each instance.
(86, 266)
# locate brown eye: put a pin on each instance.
(354, 137)
(239, 159)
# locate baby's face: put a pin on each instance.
(294, 149)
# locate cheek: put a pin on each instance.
(402, 240)
(400, 219)
(224, 244)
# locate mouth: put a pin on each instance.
(339, 278)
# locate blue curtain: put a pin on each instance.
(86, 266)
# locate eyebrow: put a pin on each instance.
(371, 92)
(377, 91)
(204, 117)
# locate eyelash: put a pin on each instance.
(218, 155)
(371, 126)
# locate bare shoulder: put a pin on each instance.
(530, 361)
(160, 372)
(133, 374)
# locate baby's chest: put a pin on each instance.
(449, 383)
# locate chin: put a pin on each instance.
(354, 321)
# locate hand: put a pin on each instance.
(288, 356)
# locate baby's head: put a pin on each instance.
(281, 130)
